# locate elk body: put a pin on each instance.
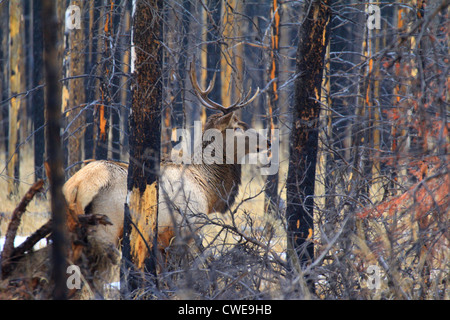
(185, 190)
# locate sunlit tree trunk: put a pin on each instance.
(321, 189)
(4, 79)
(75, 96)
(16, 87)
(204, 59)
(213, 48)
(125, 92)
(376, 189)
(227, 57)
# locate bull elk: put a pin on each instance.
(186, 190)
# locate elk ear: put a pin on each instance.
(225, 121)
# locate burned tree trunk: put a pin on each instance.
(304, 132)
(37, 99)
(272, 201)
(55, 152)
(140, 223)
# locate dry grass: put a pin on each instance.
(37, 211)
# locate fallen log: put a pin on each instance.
(11, 232)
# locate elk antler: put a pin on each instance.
(202, 95)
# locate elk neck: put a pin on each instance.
(220, 182)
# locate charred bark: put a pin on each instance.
(304, 132)
(140, 226)
(37, 99)
(55, 152)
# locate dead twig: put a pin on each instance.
(29, 243)
(14, 225)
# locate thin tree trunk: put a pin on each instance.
(76, 95)
(103, 109)
(376, 189)
(16, 107)
(204, 59)
(4, 79)
(226, 57)
(125, 92)
(117, 27)
(140, 223)
(304, 131)
(38, 96)
(271, 201)
(213, 48)
(90, 68)
(55, 153)
(322, 190)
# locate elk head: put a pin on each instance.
(236, 137)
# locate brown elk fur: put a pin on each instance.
(185, 190)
